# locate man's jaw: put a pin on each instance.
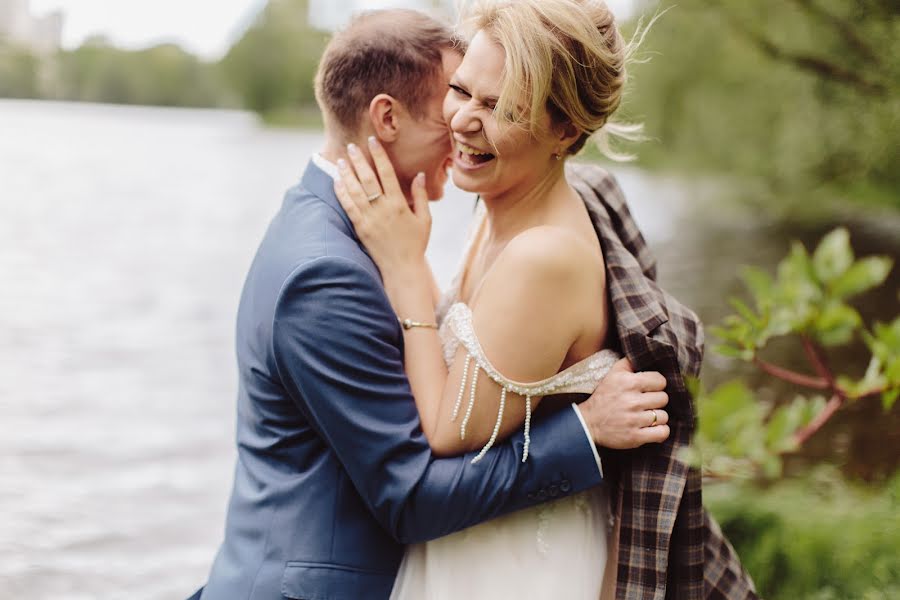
(441, 177)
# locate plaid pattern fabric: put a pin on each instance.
(668, 546)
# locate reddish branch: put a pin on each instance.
(825, 381)
(794, 377)
(816, 357)
(836, 401)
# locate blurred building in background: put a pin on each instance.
(18, 26)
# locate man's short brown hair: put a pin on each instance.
(396, 52)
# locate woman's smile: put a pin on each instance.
(470, 158)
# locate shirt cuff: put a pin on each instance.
(587, 432)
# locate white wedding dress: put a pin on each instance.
(552, 551)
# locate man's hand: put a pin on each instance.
(625, 411)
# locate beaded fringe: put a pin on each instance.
(472, 390)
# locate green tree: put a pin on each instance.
(163, 75)
(18, 73)
(273, 65)
(801, 94)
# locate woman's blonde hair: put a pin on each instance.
(567, 56)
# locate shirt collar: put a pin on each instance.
(326, 165)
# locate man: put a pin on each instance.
(334, 474)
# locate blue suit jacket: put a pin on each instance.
(334, 474)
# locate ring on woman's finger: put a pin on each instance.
(655, 418)
(374, 197)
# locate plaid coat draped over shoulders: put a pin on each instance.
(668, 546)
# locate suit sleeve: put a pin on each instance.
(338, 349)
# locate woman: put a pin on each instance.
(530, 303)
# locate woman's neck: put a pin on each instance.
(525, 205)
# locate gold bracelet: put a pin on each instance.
(409, 324)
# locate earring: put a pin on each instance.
(557, 156)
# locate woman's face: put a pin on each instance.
(491, 157)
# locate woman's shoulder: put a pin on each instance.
(543, 264)
(551, 251)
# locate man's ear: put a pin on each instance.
(384, 114)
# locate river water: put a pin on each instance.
(125, 234)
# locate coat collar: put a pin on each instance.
(634, 296)
(321, 184)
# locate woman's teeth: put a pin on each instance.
(471, 151)
(473, 156)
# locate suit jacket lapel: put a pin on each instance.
(320, 183)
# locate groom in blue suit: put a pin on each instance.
(334, 474)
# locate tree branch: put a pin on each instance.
(817, 358)
(806, 62)
(802, 435)
(844, 27)
(794, 377)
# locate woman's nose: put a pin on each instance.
(465, 120)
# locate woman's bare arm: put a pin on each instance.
(529, 311)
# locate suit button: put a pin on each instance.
(554, 491)
(565, 486)
(542, 495)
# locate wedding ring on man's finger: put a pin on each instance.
(374, 197)
(655, 418)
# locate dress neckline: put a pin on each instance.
(584, 364)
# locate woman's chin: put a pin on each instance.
(463, 181)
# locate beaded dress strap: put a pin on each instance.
(581, 377)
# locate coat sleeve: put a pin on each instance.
(338, 350)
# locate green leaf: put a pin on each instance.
(733, 332)
(796, 266)
(760, 284)
(862, 276)
(833, 256)
(733, 352)
(724, 411)
(884, 343)
(783, 321)
(892, 371)
(691, 455)
(786, 420)
(772, 466)
(889, 397)
(871, 381)
(813, 408)
(888, 335)
(746, 312)
(780, 430)
(836, 324)
(798, 291)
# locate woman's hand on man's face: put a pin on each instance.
(394, 235)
